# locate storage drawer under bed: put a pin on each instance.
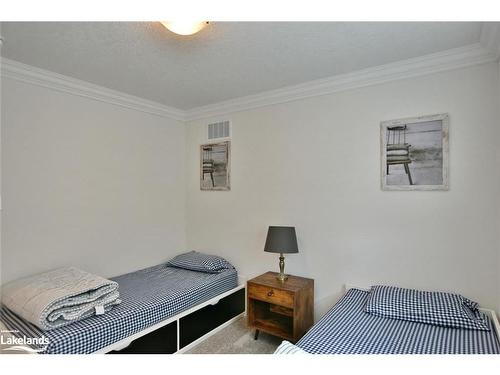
(191, 327)
(202, 321)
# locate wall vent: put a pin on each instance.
(221, 129)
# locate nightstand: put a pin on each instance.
(283, 309)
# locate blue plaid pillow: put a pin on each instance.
(438, 308)
(195, 261)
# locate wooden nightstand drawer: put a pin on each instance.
(271, 295)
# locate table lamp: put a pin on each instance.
(281, 240)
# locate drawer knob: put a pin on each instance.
(270, 293)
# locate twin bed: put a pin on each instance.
(348, 329)
(158, 308)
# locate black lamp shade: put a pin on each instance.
(281, 240)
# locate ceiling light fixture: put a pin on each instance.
(185, 27)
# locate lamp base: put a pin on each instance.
(281, 276)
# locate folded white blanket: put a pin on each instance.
(60, 297)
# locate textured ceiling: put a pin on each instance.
(223, 61)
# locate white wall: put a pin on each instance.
(102, 187)
(87, 183)
(498, 200)
(315, 164)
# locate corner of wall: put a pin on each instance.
(498, 202)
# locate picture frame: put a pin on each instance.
(414, 153)
(215, 166)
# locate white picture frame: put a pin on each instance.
(414, 153)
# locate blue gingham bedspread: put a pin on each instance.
(348, 329)
(148, 297)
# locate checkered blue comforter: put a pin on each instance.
(348, 329)
(148, 297)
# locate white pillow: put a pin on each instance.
(288, 348)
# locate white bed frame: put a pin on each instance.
(489, 312)
(122, 344)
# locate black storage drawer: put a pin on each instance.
(191, 327)
(161, 341)
(200, 322)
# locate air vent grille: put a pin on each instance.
(218, 130)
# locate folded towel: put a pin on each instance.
(60, 297)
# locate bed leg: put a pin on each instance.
(256, 336)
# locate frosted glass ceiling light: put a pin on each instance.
(185, 27)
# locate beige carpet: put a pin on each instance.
(237, 339)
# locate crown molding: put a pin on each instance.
(490, 37)
(44, 78)
(487, 50)
(446, 60)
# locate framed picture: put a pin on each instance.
(414, 153)
(215, 166)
